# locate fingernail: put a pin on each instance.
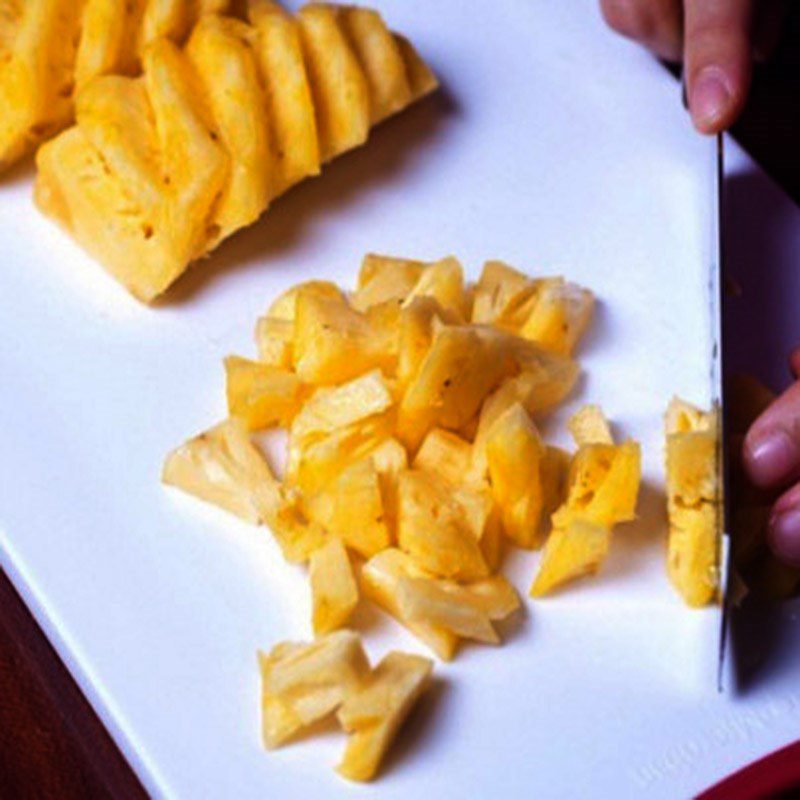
(784, 536)
(710, 98)
(772, 458)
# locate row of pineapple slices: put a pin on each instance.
(412, 460)
(188, 122)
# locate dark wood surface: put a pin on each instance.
(52, 745)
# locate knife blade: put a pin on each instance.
(717, 320)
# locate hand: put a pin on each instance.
(772, 460)
(716, 39)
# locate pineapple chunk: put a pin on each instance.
(499, 289)
(560, 316)
(274, 341)
(351, 508)
(331, 409)
(436, 528)
(373, 714)
(444, 282)
(385, 279)
(303, 683)
(445, 454)
(415, 335)
(284, 306)
(390, 460)
(338, 84)
(588, 425)
(332, 341)
(459, 371)
(260, 395)
(571, 553)
(514, 451)
(290, 108)
(381, 60)
(219, 50)
(692, 502)
(380, 578)
(223, 467)
(313, 466)
(603, 486)
(334, 590)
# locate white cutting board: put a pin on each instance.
(553, 145)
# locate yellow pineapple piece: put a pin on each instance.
(338, 84)
(284, 306)
(416, 326)
(444, 282)
(220, 52)
(260, 395)
(331, 409)
(603, 487)
(553, 471)
(274, 339)
(571, 553)
(233, 118)
(381, 60)
(333, 342)
(459, 608)
(312, 466)
(379, 581)
(445, 454)
(390, 460)
(559, 317)
(437, 530)
(458, 372)
(385, 279)
(37, 57)
(351, 507)
(223, 467)
(588, 425)
(373, 713)
(514, 451)
(692, 502)
(499, 289)
(334, 590)
(303, 683)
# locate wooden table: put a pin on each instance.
(52, 745)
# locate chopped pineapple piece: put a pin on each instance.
(284, 306)
(390, 460)
(385, 279)
(373, 714)
(303, 683)
(692, 502)
(500, 289)
(437, 529)
(459, 371)
(380, 578)
(445, 454)
(442, 281)
(260, 395)
(415, 334)
(514, 451)
(560, 316)
(588, 425)
(603, 486)
(571, 553)
(274, 340)
(333, 587)
(223, 467)
(351, 507)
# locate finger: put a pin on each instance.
(794, 362)
(783, 534)
(717, 47)
(770, 17)
(772, 445)
(657, 24)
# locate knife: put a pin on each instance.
(717, 320)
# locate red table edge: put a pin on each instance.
(775, 774)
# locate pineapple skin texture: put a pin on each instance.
(237, 116)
